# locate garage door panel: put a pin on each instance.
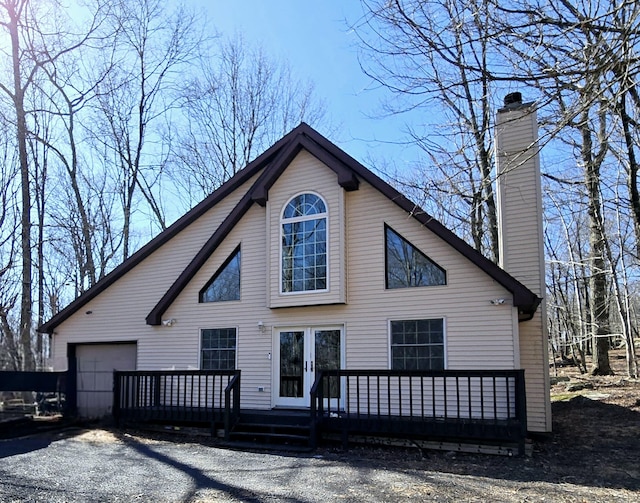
(95, 366)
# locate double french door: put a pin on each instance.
(301, 353)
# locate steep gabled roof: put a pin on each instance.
(272, 163)
(258, 193)
(183, 222)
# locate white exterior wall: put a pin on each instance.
(522, 252)
(478, 335)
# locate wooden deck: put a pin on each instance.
(447, 406)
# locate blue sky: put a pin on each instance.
(314, 37)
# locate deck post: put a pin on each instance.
(156, 390)
(521, 410)
(316, 411)
(232, 385)
(116, 398)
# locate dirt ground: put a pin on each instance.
(596, 429)
(592, 455)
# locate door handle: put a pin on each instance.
(305, 365)
(311, 366)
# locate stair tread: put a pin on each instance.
(242, 424)
(270, 435)
(278, 421)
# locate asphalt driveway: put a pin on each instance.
(110, 466)
(98, 465)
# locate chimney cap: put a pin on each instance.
(513, 99)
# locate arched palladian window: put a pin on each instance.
(304, 244)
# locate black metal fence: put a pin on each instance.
(447, 404)
(196, 397)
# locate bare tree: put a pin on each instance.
(436, 56)
(153, 50)
(240, 103)
(568, 298)
(575, 65)
(10, 349)
(16, 18)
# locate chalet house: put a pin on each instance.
(307, 283)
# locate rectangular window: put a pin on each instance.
(218, 349)
(417, 345)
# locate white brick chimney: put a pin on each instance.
(519, 198)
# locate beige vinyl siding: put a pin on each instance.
(118, 313)
(522, 254)
(307, 174)
(473, 326)
(477, 334)
(253, 346)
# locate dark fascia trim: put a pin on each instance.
(155, 315)
(275, 160)
(258, 193)
(346, 177)
(523, 298)
(179, 225)
(260, 190)
(340, 162)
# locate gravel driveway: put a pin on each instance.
(100, 465)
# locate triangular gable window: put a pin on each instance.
(225, 283)
(406, 266)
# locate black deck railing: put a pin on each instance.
(185, 396)
(51, 389)
(231, 404)
(448, 404)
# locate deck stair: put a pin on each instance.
(273, 430)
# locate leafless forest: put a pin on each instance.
(119, 117)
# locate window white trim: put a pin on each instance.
(200, 348)
(303, 218)
(418, 318)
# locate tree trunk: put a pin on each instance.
(597, 239)
(25, 243)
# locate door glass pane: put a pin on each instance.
(328, 358)
(291, 364)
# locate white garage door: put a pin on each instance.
(95, 366)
